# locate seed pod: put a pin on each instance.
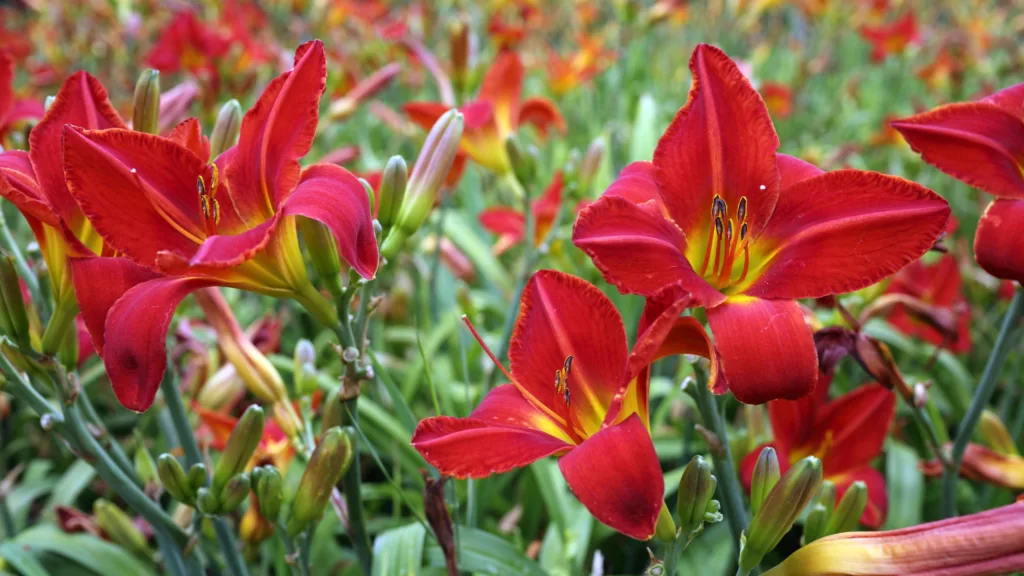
(849, 510)
(172, 476)
(766, 476)
(146, 106)
(240, 447)
(329, 461)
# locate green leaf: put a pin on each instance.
(97, 555)
(399, 551)
(22, 560)
(483, 553)
(552, 552)
(461, 233)
(76, 478)
(645, 132)
(905, 484)
(402, 410)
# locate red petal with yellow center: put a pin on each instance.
(506, 431)
(616, 475)
(138, 190)
(189, 134)
(81, 101)
(276, 132)
(638, 250)
(766, 348)
(853, 428)
(980, 143)
(841, 231)
(561, 316)
(998, 243)
(542, 114)
(99, 283)
(721, 143)
(501, 87)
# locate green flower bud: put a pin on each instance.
(234, 493)
(524, 165)
(226, 130)
(815, 524)
(849, 510)
(240, 447)
(145, 466)
(305, 368)
(197, 476)
(119, 527)
(146, 106)
(766, 476)
(206, 501)
(322, 248)
(696, 488)
(780, 510)
(827, 496)
(428, 175)
(993, 433)
(269, 492)
(333, 411)
(329, 461)
(591, 163)
(13, 315)
(172, 476)
(392, 191)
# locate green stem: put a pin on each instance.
(24, 270)
(232, 555)
(351, 485)
(924, 421)
(56, 330)
(292, 551)
(981, 398)
(672, 552)
(116, 451)
(728, 482)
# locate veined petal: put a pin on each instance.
(561, 316)
(793, 170)
(425, 114)
(506, 431)
(977, 142)
(138, 190)
(506, 223)
(501, 87)
(766, 348)
(638, 250)
(986, 465)
(854, 427)
(334, 197)
(878, 498)
(81, 101)
(276, 132)
(844, 230)
(19, 187)
(134, 351)
(99, 283)
(189, 134)
(638, 184)
(227, 251)
(720, 144)
(998, 243)
(542, 114)
(6, 89)
(793, 421)
(1010, 99)
(616, 475)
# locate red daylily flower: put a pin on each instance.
(595, 417)
(986, 465)
(746, 231)
(187, 44)
(140, 193)
(982, 144)
(566, 73)
(778, 98)
(846, 434)
(274, 446)
(891, 38)
(939, 285)
(13, 109)
(510, 226)
(494, 116)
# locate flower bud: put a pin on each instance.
(392, 191)
(333, 411)
(849, 510)
(269, 492)
(329, 461)
(197, 476)
(696, 488)
(524, 165)
(145, 466)
(305, 374)
(994, 434)
(146, 106)
(228, 127)
(13, 314)
(766, 476)
(428, 175)
(827, 496)
(590, 164)
(206, 501)
(119, 527)
(780, 510)
(233, 494)
(322, 248)
(172, 476)
(240, 447)
(815, 524)
(461, 45)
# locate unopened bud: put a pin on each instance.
(816, 523)
(13, 315)
(329, 461)
(849, 510)
(228, 127)
(392, 191)
(269, 492)
(173, 477)
(827, 496)
(286, 418)
(240, 447)
(145, 466)
(322, 248)
(461, 45)
(780, 510)
(696, 488)
(590, 164)
(994, 434)
(146, 106)
(119, 527)
(68, 351)
(305, 373)
(428, 175)
(333, 411)
(766, 476)
(524, 164)
(206, 501)
(234, 493)
(197, 476)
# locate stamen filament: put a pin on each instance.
(487, 350)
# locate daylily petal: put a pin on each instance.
(766, 348)
(227, 251)
(501, 87)
(138, 190)
(721, 143)
(276, 132)
(6, 81)
(134, 351)
(844, 230)
(81, 101)
(99, 283)
(506, 431)
(638, 250)
(616, 475)
(1010, 99)
(986, 465)
(542, 114)
(425, 114)
(998, 243)
(793, 170)
(793, 421)
(977, 142)
(561, 316)
(878, 498)
(506, 223)
(854, 427)
(638, 184)
(18, 186)
(189, 134)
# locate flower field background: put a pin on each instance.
(511, 287)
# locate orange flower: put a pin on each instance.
(779, 99)
(568, 72)
(891, 38)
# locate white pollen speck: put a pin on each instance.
(133, 170)
(763, 186)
